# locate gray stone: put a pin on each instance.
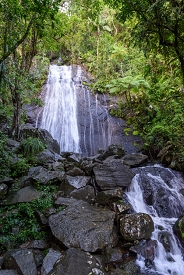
(77, 262)
(178, 229)
(9, 272)
(146, 249)
(136, 226)
(86, 194)
(106, 197)
(114, 149)
(65, 201)
(113, 175)
(75, 172)
(119, 271)
(72, 183)
(25, 194)
(75, 158)
(22, 260)
(84, 226)
(50, 259)
(12, 145)
(43, 176)
(45, 157)
(135, 160)
(3, 190)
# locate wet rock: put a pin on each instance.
(154, 182)
(146, 249)
(178, 229)
(50, 259)
(84, 226)
(131, 268)
(3, 190)
(135, 160)
(86, 194)
(112, 175)
(43, 176)
(72, 183)
(26, 194)
(136, 226)
(76, 261)
(22, 260)
(106, 197)
(113, 149)
(165, 238)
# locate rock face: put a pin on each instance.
(157, 184)
(84, 226)
(78, 262)
(112, 174)
(136, 226)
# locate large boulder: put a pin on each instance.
(43, 176)
(22, 260)
(83, 226)
(112, 175)
(135, 160)
(136, 226)
(77, 262)
(113, 149)
(158, 185)
(72, 183)
(50, 259)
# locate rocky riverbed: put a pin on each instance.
(91, 228)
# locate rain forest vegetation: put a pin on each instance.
(132, 49)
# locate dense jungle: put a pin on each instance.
(132, 51)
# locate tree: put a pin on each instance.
(159, 25)
(22, 27)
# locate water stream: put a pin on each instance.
(168, 260)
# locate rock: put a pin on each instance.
(86, 194)
(83, 226)
(44, 157)
(87, 166)
(135, 160)
(106, 197)
(131, 268)
(178, 229)
(72, 183)
(75, 172)
(22, 260)
(146, 249)
(12, 145)
(50, 259)
(75, 158)
(136, 226)
(26, 194)
(43, 176)
(113, 175)
(7, 180)
(65, 201)
(157, 184)
(3, 190)
(29, 131)
(113, 149)
(36, 244)
(8, 272)
(119, 271)
(75, 262)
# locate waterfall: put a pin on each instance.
(76, 118)
(60, 110)
(166, 262)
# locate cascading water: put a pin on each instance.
(168, 259)
(77, 119)
(60, 110)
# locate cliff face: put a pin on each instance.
(97, 129)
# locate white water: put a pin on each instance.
(165, 263)
(60, 110)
